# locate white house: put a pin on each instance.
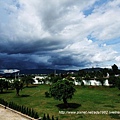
(39, 79)
(92, 82)
(76, 82)
(106, 83)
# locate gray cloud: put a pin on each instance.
(58, 34)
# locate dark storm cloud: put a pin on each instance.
(20, 61)
(54, 34)
(67, 61)
(38, 46)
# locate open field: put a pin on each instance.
(88, 103)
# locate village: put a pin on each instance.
(90, 77)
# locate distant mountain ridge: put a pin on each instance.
(52, 71)
(92, 69)
(41, 71)
(45, 71)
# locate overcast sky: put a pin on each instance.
(60, 34)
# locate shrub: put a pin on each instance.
(44, 117)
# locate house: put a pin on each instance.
(106, 83)
(92, 82)
(39, 79)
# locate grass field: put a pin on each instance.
(99, 102)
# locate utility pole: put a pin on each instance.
(15, 76)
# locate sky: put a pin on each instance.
(59, 34)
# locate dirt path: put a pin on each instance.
(6, 114)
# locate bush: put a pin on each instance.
(44, 117)
(2, 101)
(53, 118)
(47, 117)
(82, 84)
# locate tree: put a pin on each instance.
(112, 80)
(87, 77)
(115, 69)
(81, 73)
(105, 71)
(79, 79)
(54, 79)
(2, 83)
(62, 90)
(101, 79)
(27, 80)
(118, 82)
(18, 85)
(6, 85)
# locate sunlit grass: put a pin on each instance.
(90, 99)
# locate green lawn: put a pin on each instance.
(91, 99)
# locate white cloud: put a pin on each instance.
(105, 21)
